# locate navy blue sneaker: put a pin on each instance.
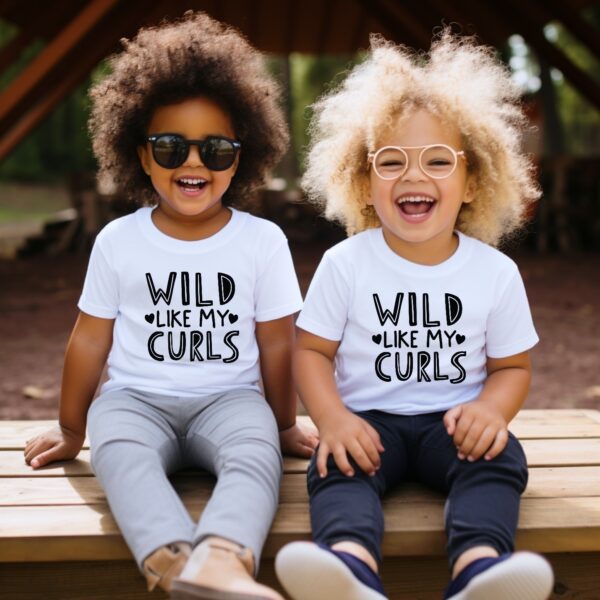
(309, 571)
(522, 576)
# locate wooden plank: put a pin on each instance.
(555, 424)
(540, 453)
(196, 488)
(12, 464)
(593, 414)
(529, 424)
(63, 491)
(14, 434)
(563, 482)
(84, 532)
(548, 453)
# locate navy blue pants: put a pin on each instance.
(482, 508)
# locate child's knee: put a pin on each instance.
(118, 454)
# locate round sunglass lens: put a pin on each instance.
(170, 151)
(218, 154)
(438, 161)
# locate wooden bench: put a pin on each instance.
(58, 538)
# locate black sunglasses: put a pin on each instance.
(170, 150)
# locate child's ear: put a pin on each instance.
(144, 157)
(470, 190)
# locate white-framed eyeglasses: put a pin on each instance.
(437, 161)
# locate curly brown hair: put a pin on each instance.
(191, 57)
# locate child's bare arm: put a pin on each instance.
(85, 357)
(275, 341)
(341, 432)
(481, 427)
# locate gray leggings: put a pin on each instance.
(137, 439)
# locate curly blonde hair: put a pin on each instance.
(191, 57)
(460, 82)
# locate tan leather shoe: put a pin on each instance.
(166, 563)
(219, 570)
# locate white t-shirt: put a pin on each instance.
(414, 339)
(185, 312)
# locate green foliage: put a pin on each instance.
(311, 76)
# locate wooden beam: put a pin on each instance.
(325, 26)
(358, 34)
(405, 19)
(45, 24)
(10, 53)
(463, 22)
(389, 23)
(56, 50)
(75, 66)
(489, 21)
(8, 8)
(427, 15)
(33, 117)
(289, 25)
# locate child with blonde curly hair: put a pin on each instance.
(192, 301)
(412, 352)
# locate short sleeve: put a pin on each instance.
(100, 295)
(325, 311)
(510, 328)
(277, 290)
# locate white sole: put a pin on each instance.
(308, 572)
(523, 576)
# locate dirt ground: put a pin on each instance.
(38, 298)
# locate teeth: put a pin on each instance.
(191, 181)
(415, 199)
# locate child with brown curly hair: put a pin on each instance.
(412, 355)
(192, 302)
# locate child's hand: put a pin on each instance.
(344, 433)
(476, 428)
(299, 440)
(55, 444)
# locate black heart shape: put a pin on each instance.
(149, 318)
(377, 338)
(460, 338)
(232, 318)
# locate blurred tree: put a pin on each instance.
(572, 124)
(310, 77)
(581, 120)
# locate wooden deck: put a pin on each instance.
(59, 540)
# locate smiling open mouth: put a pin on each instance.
(415, 205)
(191, 184)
